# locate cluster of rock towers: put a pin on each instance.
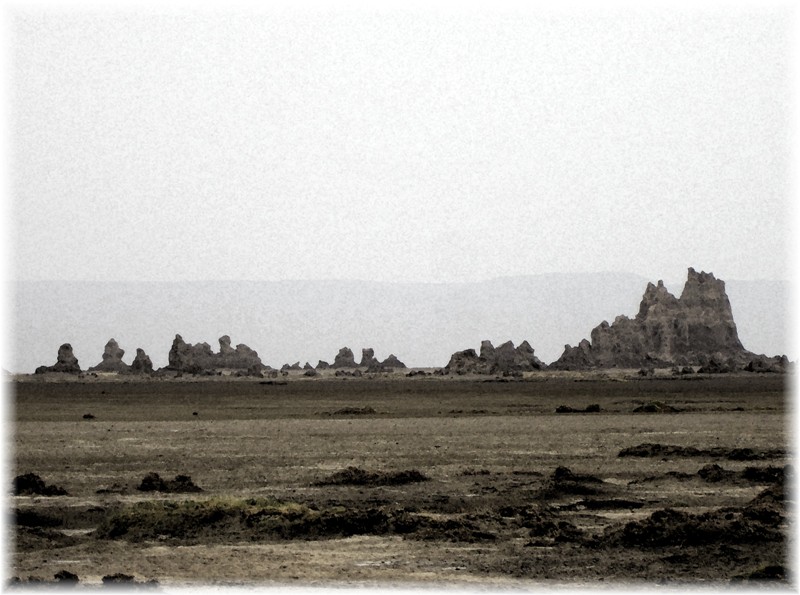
(694, 330)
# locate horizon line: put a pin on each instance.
(384, 281)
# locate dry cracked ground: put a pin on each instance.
(549, 479)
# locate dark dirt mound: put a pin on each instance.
(758, 521)
(31, 484)
(662, 528)
(61, 579)
(649, 449)
(354, 411)
(37, 538)
(65, 576)
(714, 473)
(32, 518)
(118, 578)
(563, 482)
(769, 502)
(679, 475)
(258, 519)
(603, 504)
(593, 408)
(470, 528)
(545, 528)
(114, 488)
(550, 532)
(748, 454)
(125, 582)
(459, 530)
(356, 476)
(152, 482)
(476, 472)
(656, 407)
(775, 572)
(564, 474)
(768, 474)
(544, 524)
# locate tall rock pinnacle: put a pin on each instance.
(666, 330)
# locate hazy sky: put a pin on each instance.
(399, 145)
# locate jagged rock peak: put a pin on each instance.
(656, 297)
(667, 331)
(225, 345)
(197, 358)
(505, 359)
(65, 356)
(466, 362)
(487, 349)
(65, 362)
(703, 289)
(141, 363)
(112, 350)
(368, 357)
(112, 359)
(392, 362)
(344, 359)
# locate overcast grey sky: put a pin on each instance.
(399, 145)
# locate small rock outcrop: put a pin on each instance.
(466, 362)
(195, 359)
(186, 357)
(141, 363)
(505, 359)
(241, 358)
(695, 329)
(344, 359)
(152, 482)
(520, 359)
(368, 358)
(778, 364)
(31, 484)
(65, 362)
(392, 362)
(112, 359)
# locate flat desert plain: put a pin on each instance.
(390, 480)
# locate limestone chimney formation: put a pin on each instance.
(695, 329)
(666, 331)
(185, 357)
(65, 362)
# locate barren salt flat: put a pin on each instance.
(387, 479)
